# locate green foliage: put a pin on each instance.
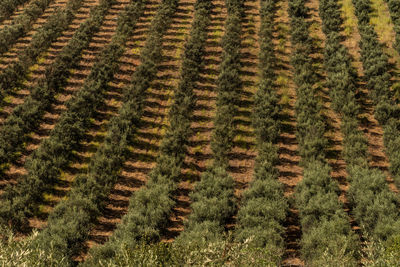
(375, 62)
(354, 143)
(326, 230)
(318, 248)
(377, 72)
(324, 223)
(17, 252)
(150, 207)
(212, 200)
(266, 113)
(76, 213)
(44, 164)
(394, 8)
(263, 213)
(26, 252)
(218, 253)
(263, 208)
(310, 124)
(7, 7)
(21, 24)
(375, 206)
(12, 75)
(228, 85)
(147, 214)
(28, 115)
(212, 205)
(377, 253)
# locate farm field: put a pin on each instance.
(199, 132)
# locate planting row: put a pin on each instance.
(21, 24)
(394, 8)
(378, 76)
(27, 116)
(326, 231)
(14, 73)
(151, 206)
(45, 164)
(213, 196)
(264, 208)
(375, 206)
(7, 7)
(92, 188)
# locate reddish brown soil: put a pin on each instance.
(333, 120)
(78, 76)
(244, 150)
(20, 45)
(18, 11)
(81, 15)
(199, 150)
(388, 40)
(290, 171)
(17, 169)
(145, 146)
(333, 134)
(199, 153)
(37, 71)
(16, 49)
(369, 125)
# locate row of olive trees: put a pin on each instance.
(326, 231)
(7, 7)
(91, 189)
(14, 73)
(375, 207)
(367, 187)
(394, 8)
(213, 197)
(151, 207)
(28, 116)
(378, 76)
(264, 207)
(21, 24)
(88, 195)
(377, 71)
(45, 163)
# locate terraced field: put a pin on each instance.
(199, 132)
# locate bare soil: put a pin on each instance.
(369, 125)
(199, 154)
(290, 171)
(76, 81)
(145, 146)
